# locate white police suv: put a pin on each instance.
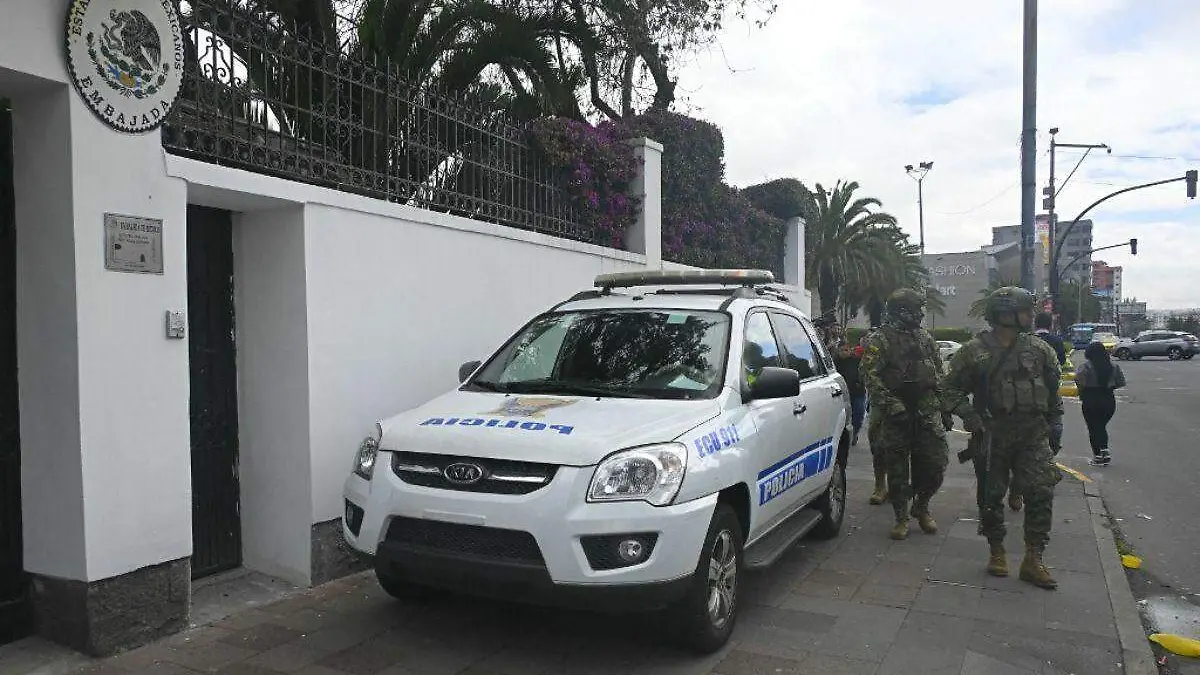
(633, 448)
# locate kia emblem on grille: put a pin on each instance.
(463, 473)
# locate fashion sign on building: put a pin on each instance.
(126, 60)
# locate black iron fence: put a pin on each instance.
(264, 95)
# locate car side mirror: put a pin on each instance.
(465, 370)
(775, 383)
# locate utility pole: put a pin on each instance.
(1028, 142)
(1049, 203)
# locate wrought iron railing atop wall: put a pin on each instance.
(268, 97)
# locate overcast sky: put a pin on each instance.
(858, 88)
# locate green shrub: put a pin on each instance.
(961, 335)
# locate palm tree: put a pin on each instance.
(898, 266)
(845, 240)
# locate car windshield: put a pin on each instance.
(674, 354)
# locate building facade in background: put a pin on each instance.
(1106, 280)
(1077, 243)
(963, 277)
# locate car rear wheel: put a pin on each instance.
(1123, 354)
(1174, 353)
(705, 617)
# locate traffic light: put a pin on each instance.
(1133, 246)
(1190, 177)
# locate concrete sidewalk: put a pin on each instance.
(861, 604)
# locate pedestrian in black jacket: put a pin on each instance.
(1098, 378)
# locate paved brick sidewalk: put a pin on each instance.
(860, 604)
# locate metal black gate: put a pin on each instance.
(216, 518)
(15, 619)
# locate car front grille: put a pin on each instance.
(488, 543)
(497, 476)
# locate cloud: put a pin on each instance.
(857, 89)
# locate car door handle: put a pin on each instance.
(799, 409)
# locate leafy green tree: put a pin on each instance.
(639, 44)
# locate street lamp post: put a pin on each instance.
(1051, 194)
(918, 174)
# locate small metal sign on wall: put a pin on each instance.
(133, 244)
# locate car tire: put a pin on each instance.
(1174, 353)
(1123, 354)
(395, 586)
(699, 626)
(832, 505)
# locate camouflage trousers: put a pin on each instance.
(1020, 455)
(915, 456)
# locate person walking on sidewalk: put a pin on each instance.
(900, 368)
(847, 359)
(1042, 324)
(1003, 384)
(1098, 379)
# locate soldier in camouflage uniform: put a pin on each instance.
(1004, 386)
(878, 461)
(901, 368)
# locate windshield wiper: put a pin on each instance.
(494, 387)
(577, 388)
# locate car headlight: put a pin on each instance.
(651, 473)
(368, 450)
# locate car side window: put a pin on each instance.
(759, 348)
(800, 353)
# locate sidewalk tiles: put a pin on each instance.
(858, 605)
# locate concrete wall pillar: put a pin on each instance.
(645, 236)
(794, 253)
(106, 492)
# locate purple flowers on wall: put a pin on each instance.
(599, 165)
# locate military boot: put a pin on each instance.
(997, 565)
(1033, 569)
(900, 529)
(920, 511)
(880, 494)
(1015, 501)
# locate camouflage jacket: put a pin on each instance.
(1023, 383)
(901, 363)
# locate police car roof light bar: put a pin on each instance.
(684, 278)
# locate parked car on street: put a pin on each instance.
(634, 447)
(947, 349)
(1174, 345)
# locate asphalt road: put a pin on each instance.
(1153, 483)
(1152, 488)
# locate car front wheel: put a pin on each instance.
(1123, 354)
(705, 617)
(832, 505)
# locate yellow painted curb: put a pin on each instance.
(1073, 472)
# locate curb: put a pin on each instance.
(1136, 654)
